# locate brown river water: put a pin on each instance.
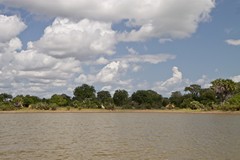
(119, 136)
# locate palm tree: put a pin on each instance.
(223, 88)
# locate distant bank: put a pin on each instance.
(73, 110)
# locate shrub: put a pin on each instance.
(41, 106)
(6, 107)
(196, 105)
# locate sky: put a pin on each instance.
(51, 47)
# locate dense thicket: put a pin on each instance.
(223, 94)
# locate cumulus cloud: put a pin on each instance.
(80, 39)
(32, 72)
(84, 34)
(236, 78)
(10, 27)
(110, 74)
(102, 60)
(234, 42)
(155, 18)
(10, 46)
(170, 84)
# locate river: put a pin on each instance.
(119, 136)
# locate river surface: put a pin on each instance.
(119, 136)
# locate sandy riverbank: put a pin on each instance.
(73, 110)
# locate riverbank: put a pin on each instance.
(74, 110)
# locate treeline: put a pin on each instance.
(223, 94)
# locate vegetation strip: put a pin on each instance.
(223, 94)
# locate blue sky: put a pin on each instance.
(53, 47)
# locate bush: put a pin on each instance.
(53, 106)
(6, 107)
(229, 107)
(41, 106)
(68, 108)
(110, 107)
(196, 105)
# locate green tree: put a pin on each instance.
(84, 92)
(235, 100)
(165, 101)
(59, 100)
(147, 99)
(176, 98)
(104, 97)
(120, 97)
(207, 96)
(18, 101)
(29, 100)
(5, 97)
(237, 88)
(223, 88)
(194, 90)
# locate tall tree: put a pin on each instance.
(194, 90)
(120, 97)
(5, 97)
(223, 88)
(148, 97)
(104, 97)
(176, 98)
(84, 92)
(59, 100)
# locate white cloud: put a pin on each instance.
(147, 58)
(155, 18)
(10, 46)
(172, 84)
(109, 73)
(236, 78)
(131, 51)
(106, 88)
(234, 42)
(10, 27)
(102, 60)
(203, 82)
(164, 40)
(82, 39)
(30, 72)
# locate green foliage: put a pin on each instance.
(237, 88)
(165, 101)
(147, 99)
(229, 107)
(234, 100)
(18, 101)
(196, 105)
(223, 88)
(176, 98)
(59, 100)
(6, 106)
(104, 97)
(194, 90)
(41, 106)
(84, 92)
(186, 103)
(76, 104)
(120, 97)
(232, 104)
(29, 100)
(207, 96)
(223, 91)
(88, 103)
(4, 97)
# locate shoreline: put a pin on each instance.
(184, 111)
